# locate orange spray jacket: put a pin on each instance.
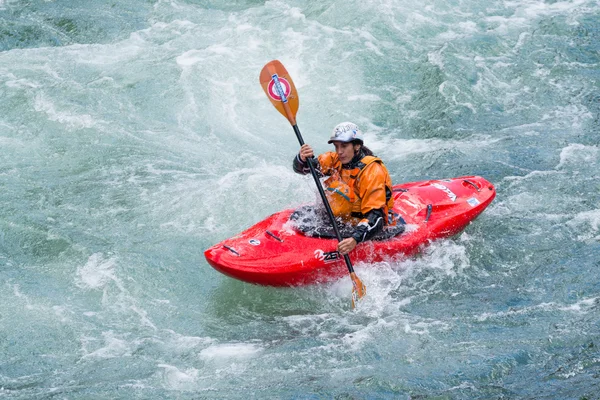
(364, 185)
(360, 191)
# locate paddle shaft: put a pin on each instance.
(273, 78)
(323, 197)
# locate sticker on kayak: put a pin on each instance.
(328, 257)
(451, 195)
(254, 242)
(473, 201)
(279, 88)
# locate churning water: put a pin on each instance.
(135, 134)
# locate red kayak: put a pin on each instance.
(286, 249)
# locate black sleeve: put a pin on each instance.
(371, 224)
(300, 167)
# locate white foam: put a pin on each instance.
(4, 3)
(243, 28)
(19, 295)
(536, 9)
(190, 58)
(219, 49)
(97, 272)
(144, 320)
(371, 46)
(177, 379)
(107, 55)
(436, 57)
(394, 149)
(296, 13)
(357, 340)
(61, 312)
(450, 92)
(230, 351)
(419, 328)
(576, 115)
(22, 84)
(364, 97)
(533, 175)
(525, 201)
(69, 119)
(580, 307)
(450, 257)
(576, 154)
(114, 347)
(587, 224)
(183, 344)
(468, 26)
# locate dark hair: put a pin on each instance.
(363, 148)
(367, 151)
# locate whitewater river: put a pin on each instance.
(135, 134)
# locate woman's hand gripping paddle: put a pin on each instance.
(280, 89)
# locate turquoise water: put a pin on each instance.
(135, 135)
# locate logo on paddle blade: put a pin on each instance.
(279, 88)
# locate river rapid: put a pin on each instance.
(135, 134)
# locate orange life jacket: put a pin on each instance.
(352, 193)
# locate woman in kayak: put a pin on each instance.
(359, 187)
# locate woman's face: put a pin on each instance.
(345, 151)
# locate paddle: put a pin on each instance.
(280, 89)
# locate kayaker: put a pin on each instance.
(359, 187)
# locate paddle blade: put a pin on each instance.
(359, 290)
(280, 89)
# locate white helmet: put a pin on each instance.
(346, 132)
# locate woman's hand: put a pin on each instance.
(346, 246)
(306, 152)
